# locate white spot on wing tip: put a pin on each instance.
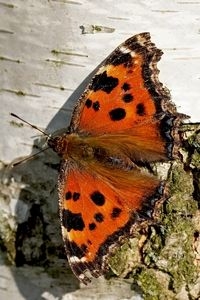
(75, 259)
(81, 276)
(125, 50)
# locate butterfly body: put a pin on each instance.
(124, 119)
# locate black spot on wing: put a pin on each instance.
(76, 196)
(140, 109)
(99, 217)
(92, 226)
(104, 83)
(127, 98)
(98, 198)
(115, 212)
(96, 105)
(68, 195)
(72, 221)
(88, 103)
(117, 114)
(126, 86)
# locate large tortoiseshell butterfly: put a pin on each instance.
(123, 120)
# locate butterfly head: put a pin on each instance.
(58, 144)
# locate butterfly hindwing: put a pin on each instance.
(95, 211)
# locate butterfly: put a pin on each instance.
(124, 120)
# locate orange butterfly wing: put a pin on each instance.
(96, 211)
(126, 97)
(123, 119)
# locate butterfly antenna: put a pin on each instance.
(38, 129)
(29, 157)
(33, 126)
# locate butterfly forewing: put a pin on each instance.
(126, 97)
